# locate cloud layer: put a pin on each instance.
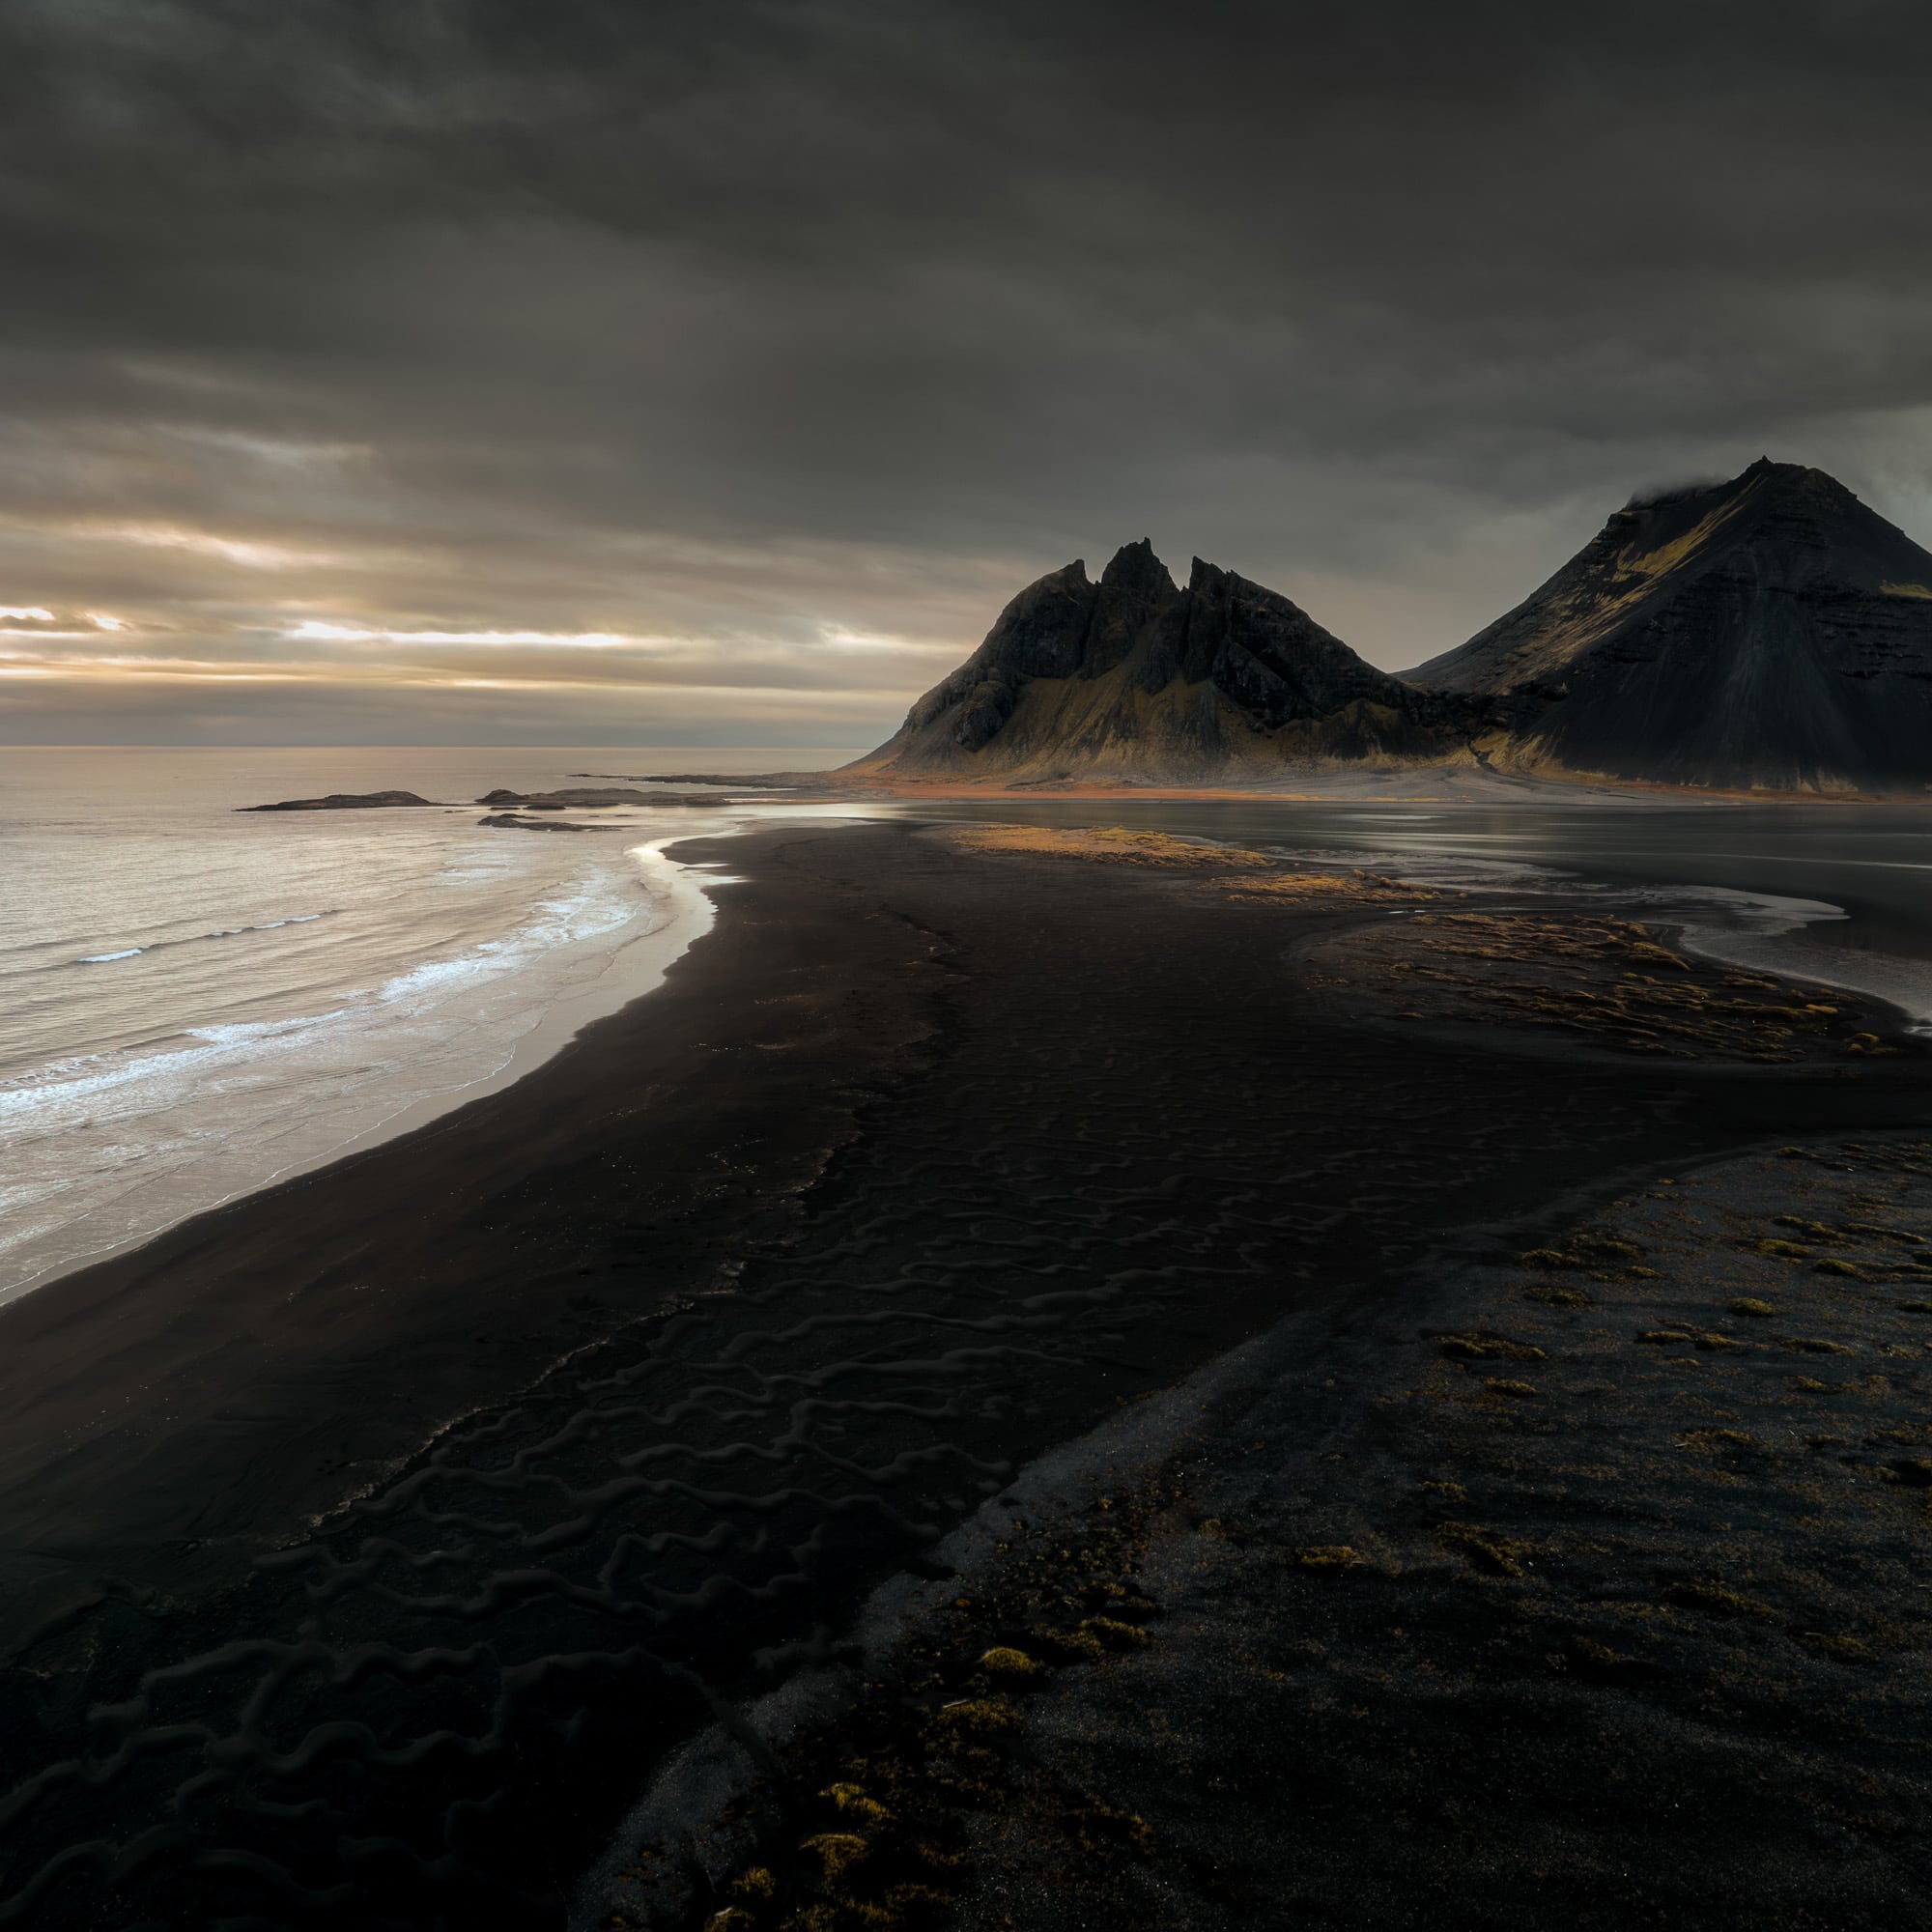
(381, 369)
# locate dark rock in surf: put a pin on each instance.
(598, 798)
(581, 798)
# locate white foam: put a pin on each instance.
(107, 1146)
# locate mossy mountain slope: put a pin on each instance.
(1135, 677)
(1768, 632)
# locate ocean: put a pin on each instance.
(195, 1001)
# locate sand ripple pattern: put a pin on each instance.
(428, 1711)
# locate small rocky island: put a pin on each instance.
(343, 801)
(596, 797)
(578, 799)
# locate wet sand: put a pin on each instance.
(396, 1522)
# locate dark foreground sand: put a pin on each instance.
(1589, 1590)
(369, 1542)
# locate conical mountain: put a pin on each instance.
(1768, 632)
(1136, 678)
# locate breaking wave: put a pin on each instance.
(199, 938)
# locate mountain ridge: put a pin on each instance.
(1770, 632)
(1137, 674)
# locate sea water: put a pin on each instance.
(1840, 894)
(196, 999)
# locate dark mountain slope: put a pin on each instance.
(1134, 677)
(1766, 632)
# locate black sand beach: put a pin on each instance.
(370, 1541)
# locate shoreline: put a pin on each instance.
(143, 1297)
(676, 895)
(631, 971)
(919, 1162)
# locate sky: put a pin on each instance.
(705, 372)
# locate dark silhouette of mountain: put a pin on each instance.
(1770, 632)
(1134, 677)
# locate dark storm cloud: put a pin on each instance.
(759, 337)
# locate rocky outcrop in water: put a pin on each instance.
(595, 798)
(1135, 677)
(343, 801)
(511, 821)
(1768, 632)
(570, 799)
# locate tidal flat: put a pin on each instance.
(381, 1541)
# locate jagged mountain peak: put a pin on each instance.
(1135, 565)
(1136, 676)
(1766, 630)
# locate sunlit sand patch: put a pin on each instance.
(1314, 888)
(1120, 845)
(1112, 844)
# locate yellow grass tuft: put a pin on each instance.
(1302, 887)
(1004, 1660)
(1327, 1556)
(838, 1851)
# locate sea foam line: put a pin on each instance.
(196, 938)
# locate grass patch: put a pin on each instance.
(1321, 1556)
(1586, 1248)
(1114, 844)
(855, 1802)
(1707, 1339)
(1816, 1231)
(1718, 1599)
(1483, 1550)
(1593, 1659)
(1305, 886)
(1845, 1649)
(837, 1851)
(1004, 1660)
(1488, 1348)
(1750, 1305)
(1114, 1635)
(1553, 1296)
